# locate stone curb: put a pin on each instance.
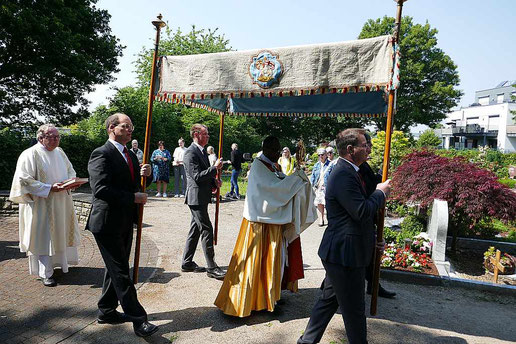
(430, 280)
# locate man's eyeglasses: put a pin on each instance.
(52, 137)
(126, 126)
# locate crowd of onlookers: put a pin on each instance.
(161, 160)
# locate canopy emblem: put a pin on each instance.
(265, 69)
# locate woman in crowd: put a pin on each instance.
(160, 167)
(317, 180)
(286, 162)
(211, 155)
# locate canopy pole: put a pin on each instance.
(158, 24)
(219, 177)
(385, 172)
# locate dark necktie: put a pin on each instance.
(205, 155)
(129, 163)
(362, 181)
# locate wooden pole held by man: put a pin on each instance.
(158, 24)
(385, 170)
(219, 176)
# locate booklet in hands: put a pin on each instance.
(73, 183)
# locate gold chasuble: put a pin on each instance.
(267, 253)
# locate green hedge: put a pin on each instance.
(11, 144)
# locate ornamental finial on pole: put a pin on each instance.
(159, 23)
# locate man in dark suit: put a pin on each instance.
(114, 178)
(201, 180)
(348, 242)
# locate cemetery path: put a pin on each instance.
(182, 303)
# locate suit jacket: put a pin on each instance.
(113, 209)
(200, 176)
(349, 238)
(370, 178)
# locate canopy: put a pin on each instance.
(347, 78)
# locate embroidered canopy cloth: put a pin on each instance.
(350, 78)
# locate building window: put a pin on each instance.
(499, 98)
(483, 100)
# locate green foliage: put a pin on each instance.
(510, 183)
(428, 76)
(428, 139)
(177, 43)
(397, 208)
(78, 148)
(484, 157)
(400, 145)
(51, 54)
(12, 144)
(411, 226)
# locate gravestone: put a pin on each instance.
(437, 232)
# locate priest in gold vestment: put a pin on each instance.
(267, 254)
(48, 227)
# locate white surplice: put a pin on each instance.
(287, 201)
(48, 225)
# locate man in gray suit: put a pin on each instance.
(348, 242)
(201, 180)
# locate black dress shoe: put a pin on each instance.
(112, 318)
(49, 282)
(216, 273)
(145, 329)
(192, 267)
(383, 292)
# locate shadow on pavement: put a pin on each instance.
(10, 250)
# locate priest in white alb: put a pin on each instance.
(267, 254)
(48, 227)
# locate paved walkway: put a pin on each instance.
(32, 313)
(182, 303)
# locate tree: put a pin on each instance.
(428, 139)
(400, 145)
(428, 76)
(177, 43)
(51, 54)
(473, 194)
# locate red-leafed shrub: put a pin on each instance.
(472, 193)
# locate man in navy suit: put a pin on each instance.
(348, 242)
(115, 178)
(201, 180)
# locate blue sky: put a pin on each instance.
(477, 35)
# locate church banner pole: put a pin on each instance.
(385, 171)
(219, 177)
(158, 24)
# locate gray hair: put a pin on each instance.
(42, 130)
(133, 141)
(210, 150)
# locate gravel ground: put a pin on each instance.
(182, 303)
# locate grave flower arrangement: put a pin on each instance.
(413, 256)
(508, 261)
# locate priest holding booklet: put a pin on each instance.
(48, 227)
